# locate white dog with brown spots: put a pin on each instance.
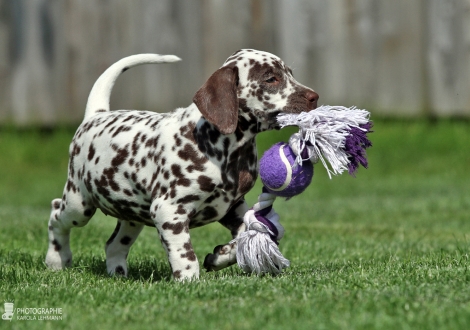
(176, 170)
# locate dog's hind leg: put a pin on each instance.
(119, 244)
(70, 211)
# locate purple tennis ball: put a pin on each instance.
(278, 173)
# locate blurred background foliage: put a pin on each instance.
(396, 58)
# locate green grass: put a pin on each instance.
(386, 250)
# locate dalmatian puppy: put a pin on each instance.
(174, 171)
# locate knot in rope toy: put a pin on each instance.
(257, 247)
(334, 135)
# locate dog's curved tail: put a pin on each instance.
(98, 100)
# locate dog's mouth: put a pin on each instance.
(272, 120)
(272, 116)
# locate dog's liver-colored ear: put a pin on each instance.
(217, 99)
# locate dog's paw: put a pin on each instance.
(222, 257)
(116, 269)
(57, 261)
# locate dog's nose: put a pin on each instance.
(312, 99)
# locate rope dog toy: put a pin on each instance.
(334, 135)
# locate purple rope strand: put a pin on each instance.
(355, 146)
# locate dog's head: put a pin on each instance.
(254, 85)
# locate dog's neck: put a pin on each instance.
(209, 137)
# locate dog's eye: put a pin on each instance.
(271, 80)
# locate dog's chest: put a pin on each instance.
(236, 180)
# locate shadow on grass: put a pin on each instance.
(17, 262)
(155, 270)
(25, 266)
(142, 270)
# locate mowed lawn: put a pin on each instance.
(388, 249)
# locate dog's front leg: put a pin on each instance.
(226, 255)
(172, 222)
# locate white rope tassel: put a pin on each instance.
(256, 251)
(326, 128)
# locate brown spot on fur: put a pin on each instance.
(188, 246)
(182, 180)
(209, 213)
(180, 210)
(57, 246)
(190, 255)
(177, 227)
(189, 153)
(125, 240)
(188, 131)
(188, 199)
(121, 156)
(91, 152)
(88, 213)
(122, 129)
(205, 183)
